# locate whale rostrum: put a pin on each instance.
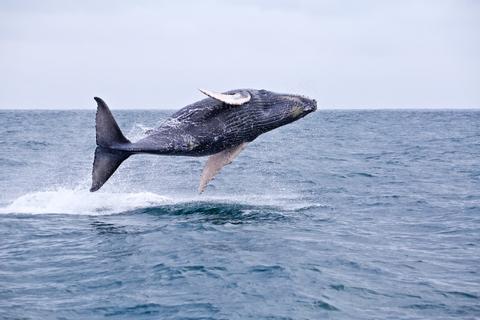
(219, 126)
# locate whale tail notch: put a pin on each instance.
(110, 151)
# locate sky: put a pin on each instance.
(155, 54)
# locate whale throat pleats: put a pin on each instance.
(216, 162)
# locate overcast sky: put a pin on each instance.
(154, 54)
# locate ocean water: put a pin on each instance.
(342, 215)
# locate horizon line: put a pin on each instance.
(319, 109)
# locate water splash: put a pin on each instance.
(72, 201)
(77, 201)
(138, 131)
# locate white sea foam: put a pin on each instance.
(82, 202)
(71, 201)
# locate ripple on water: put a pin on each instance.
(182, 311)
(349, 215)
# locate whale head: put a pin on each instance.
(277, 109)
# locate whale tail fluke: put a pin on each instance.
(110, 142)
(108, 133)
(105, 163)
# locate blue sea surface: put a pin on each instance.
(341, 215)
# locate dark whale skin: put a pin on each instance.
(220, 127)
(209, 126)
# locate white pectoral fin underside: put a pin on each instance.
(216, 162)
(236, 99)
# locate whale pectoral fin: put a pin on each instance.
(236, 99)
(216, 162)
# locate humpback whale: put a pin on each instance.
(219, 126)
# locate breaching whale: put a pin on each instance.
(219, 126)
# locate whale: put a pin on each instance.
(220, 126)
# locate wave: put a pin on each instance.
(82, 202)
(71, 201)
